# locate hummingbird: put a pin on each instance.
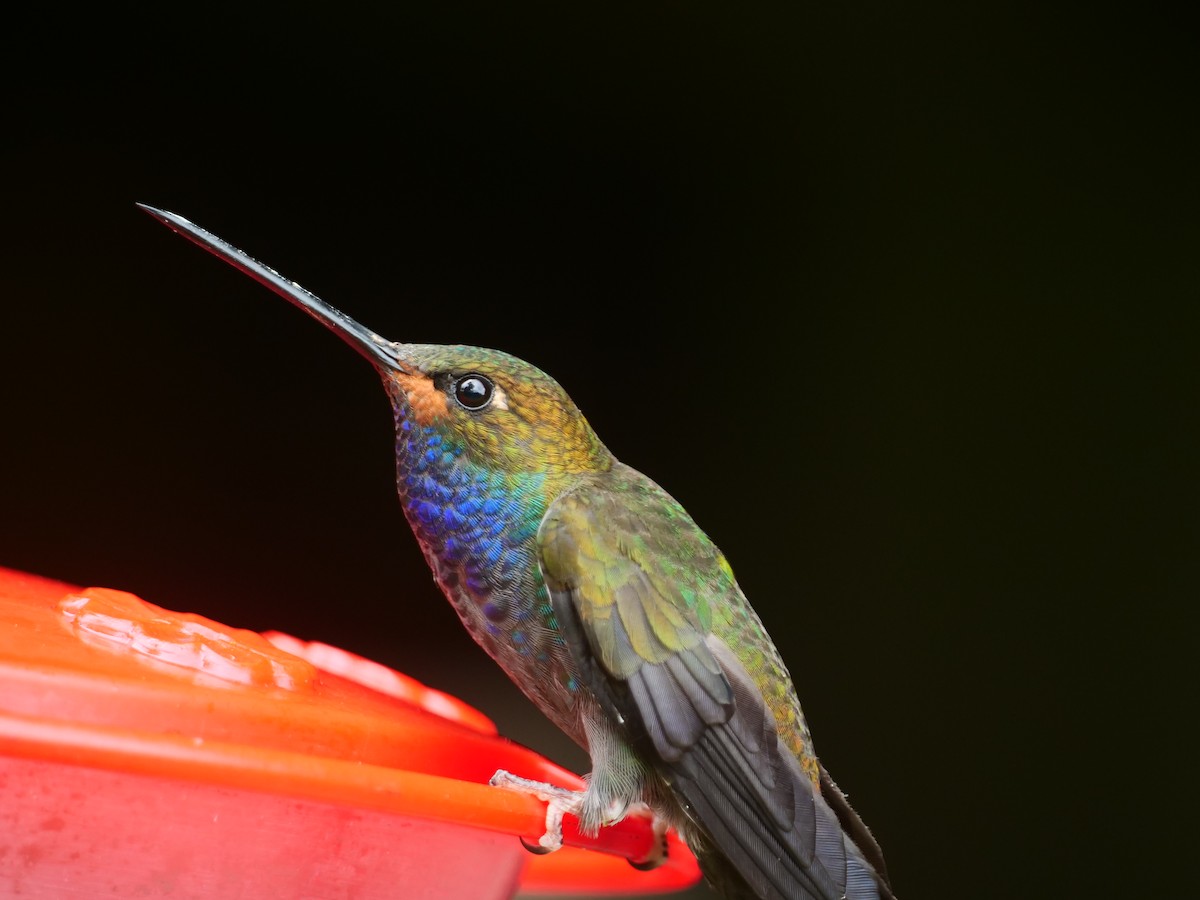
(609, 607)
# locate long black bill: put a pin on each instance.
(381, 353)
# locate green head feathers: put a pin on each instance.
(496, 409)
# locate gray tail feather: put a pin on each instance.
(724, 873)
(816, 859)
(857, 831)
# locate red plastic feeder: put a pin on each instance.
(151, 753)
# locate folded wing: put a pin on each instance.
(633, 585)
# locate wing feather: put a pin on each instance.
(630, 594)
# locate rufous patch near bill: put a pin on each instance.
(424, 399)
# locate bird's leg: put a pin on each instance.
(558, 800)
(616, 784)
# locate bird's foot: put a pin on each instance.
(658, 825)
(558, 800)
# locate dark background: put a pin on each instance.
(899, 302)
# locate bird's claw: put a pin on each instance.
(558, 800)
(649, 864)
(535, 849)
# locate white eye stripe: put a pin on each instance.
(499, 398)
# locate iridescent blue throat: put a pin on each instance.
(478, 522)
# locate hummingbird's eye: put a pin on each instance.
(473, 391)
